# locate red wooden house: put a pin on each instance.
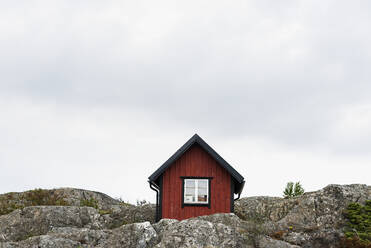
(195, 181)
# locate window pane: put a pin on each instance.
(190, 195)
(202, 195)
(202, 183)
(190, 183)
(190, 191)
(202, 199)
(189, 198)
(202, 191)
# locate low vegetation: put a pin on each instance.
(7, 207)
(40, 197)
(123, 202)
(142, 202)
(358, 227)
(89, 203)
(37, 197)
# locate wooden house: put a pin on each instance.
(195, 181)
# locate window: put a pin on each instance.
(196, 191)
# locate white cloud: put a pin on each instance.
(354, 122)
(268, 165)
(46, 145)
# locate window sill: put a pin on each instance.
(196, 205)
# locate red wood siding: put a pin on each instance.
(195, 163)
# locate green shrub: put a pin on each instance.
(89, 203)
(354, 242)
(43, 197)
(358, 227)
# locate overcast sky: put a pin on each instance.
(98, 94)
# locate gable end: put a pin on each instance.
(197, 139)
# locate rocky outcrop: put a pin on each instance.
(115, 212)
(61, 196)
(118, 215)
(34, 221)
(219, 230)
(312, 220)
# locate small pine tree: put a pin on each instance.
(289, 190)
(298, 189)
(292, 190)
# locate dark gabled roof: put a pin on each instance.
(198, 140)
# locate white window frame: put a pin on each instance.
(196, 191)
